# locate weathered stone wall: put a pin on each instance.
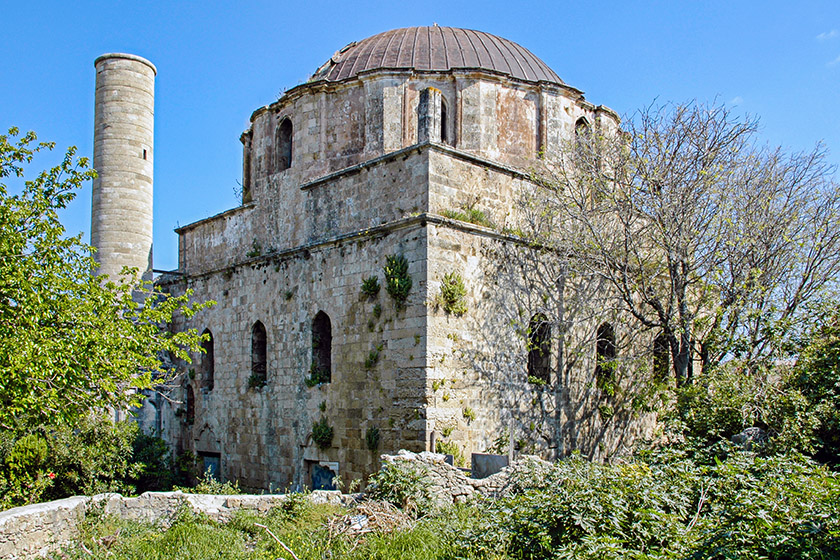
(35, 530)
(263, 434)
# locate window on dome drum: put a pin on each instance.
(539, 349)
(208, 361)
(258, 356)
(321, 368)
(605, 355)
(190, 405)
(661, 357)
(444, 129)
(283, 145)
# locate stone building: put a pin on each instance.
(411, 147)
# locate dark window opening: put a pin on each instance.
(539, 349)
(581, 129)
(211, 464)
(208, 362)
(144, 154)
(190, 405)
(258, 356)
(321, 370)
(284, 145)
(605, 354)
(444, 129)
(661, 357)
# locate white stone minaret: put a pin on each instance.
(123, 156)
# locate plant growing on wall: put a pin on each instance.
(471, 215)
(452, 294)
(322, 433)
(372, 438)
(370, 286)
(397, 279)
(317, 376)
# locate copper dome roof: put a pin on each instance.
(436, 49)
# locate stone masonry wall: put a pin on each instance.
(263, 434)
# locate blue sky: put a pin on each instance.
(219, 61)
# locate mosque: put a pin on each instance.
(372, 294)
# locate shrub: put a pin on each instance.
(322, 433)
(405, 486)
(452, 294)
(96, 455)
(397, 280)
(370, 286)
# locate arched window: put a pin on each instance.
(190, 405)
(605, 356)
(444, 129)
(321, 369)
(582, 129)
(208, 361)
(661, 357)
(283, 145)
(258, 356)
(539, 349)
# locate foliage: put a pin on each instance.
(694, 229)
(816, 381)
(397, 279)
(98, 455)
(208, 484)
(322, 433)
(452, 294)
(471, 215)
(257, 380)
(372, 438)
(657, 506)
(402, 485)
(70, 342)
(373, 357)
(317, 376)
(370, 286)
(745, 507)
(451, 448)
(468, 413)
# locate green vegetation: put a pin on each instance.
(397, 280)
(317, 376)
(452, 294)
(70, 342)
(94, 456)
(322, 433)
(373, 357)
(471, 215)
(451, 448)
(659, 505)
(370, 286)
(372, 438)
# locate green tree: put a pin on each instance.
(70, 342)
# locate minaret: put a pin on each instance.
(123, 156)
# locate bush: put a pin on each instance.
(370, 286)
(397, 280)
(401, 485)
(322, 433)
(452, 294)
(95, 456)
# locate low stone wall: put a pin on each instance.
(37, 529)
(450, 485)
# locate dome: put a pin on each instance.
(435, 49)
